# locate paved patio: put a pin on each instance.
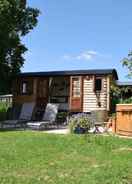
(58, 131)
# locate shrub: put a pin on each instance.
(80, 123)
(127, 101)
(62, 117)
(3, 111)
(4, 107)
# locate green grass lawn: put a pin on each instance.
(38, 158)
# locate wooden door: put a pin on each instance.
(76, 94)
(42, 91)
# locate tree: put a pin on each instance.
(127, 62)
(17, 20)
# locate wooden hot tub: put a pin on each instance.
(124, 119)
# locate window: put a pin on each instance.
(98, 84)
(76, 87)
(24, 87)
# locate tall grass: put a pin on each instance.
(3, 110)
(3, 106)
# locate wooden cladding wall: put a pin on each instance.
(82, 97)
(19, 98)
(91, 99)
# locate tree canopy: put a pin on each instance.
(16, 20)
(127, 62)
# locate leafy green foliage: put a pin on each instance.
(3, 110)
(62, 117)
(38, 158)
(126, 101)
(115, 91)
(16, 21)
(120, 95)
(127, 62)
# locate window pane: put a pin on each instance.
(76, 87)
(24, 87)
(98, 84)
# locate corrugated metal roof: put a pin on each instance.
(70, 72)
(119, 83)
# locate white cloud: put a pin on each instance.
(67, 57)
(85, 55)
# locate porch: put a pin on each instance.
(63, 90)
(53, 90)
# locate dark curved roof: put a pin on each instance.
(70, 72)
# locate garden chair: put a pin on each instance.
(48, 119)
(24, 117)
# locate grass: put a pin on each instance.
(38, 158)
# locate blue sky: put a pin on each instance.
(80, 34)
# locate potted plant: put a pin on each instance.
(80, 123)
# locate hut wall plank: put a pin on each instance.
(90, 98)
(20, 99)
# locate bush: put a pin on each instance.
(3, 111)
(127, 101)
(80, 123)
(62, 117)
(4, 107)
